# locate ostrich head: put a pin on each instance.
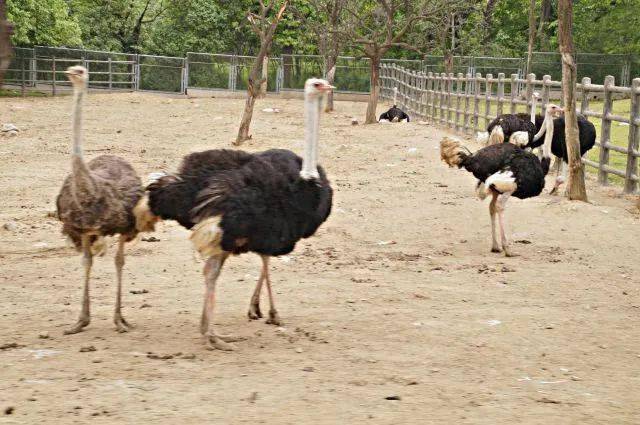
(554, 110)
(316, 87)
(78, 75)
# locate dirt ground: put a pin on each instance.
(397, 296)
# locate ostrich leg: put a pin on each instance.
(273, 319)
(87, 262)
(502, 200)
(495, 247)
(121, 324)
(254, 306)
(215, 341)
(560, 169)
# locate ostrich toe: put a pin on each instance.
(122, 325)
(254, 312)
(274, 318)
(78, 327)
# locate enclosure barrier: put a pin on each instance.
(460, 102)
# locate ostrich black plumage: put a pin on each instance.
(236, 202)
(587, 138)
(394, 114)
(519, 129)
(502, 170)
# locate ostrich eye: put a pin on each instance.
(316, 84)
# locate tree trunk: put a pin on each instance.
(287, 65)
(532, 34)
(265, 77)
(576, 189)
(374, 91)
(331, 75)
(448, 62)
(488, 20)
(247, 114)
(5, 41)
(545, 17)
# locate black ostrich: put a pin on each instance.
(587, 138)
(236, 202)
(519, 129)
(394, 114)
(502, 170)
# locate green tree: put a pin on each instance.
(45, 22)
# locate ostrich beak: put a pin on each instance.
(326, 88)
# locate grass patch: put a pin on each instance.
(18, 93)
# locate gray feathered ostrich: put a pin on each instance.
(503, 170)
(236, 202)
(96, 200)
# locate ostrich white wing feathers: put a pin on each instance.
(519, 138)
(482, 137)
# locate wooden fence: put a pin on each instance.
(467, 103)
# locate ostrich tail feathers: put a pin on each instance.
(502, 182)
(519, 138)
(206, 237)
(145, 219)
(452, 152)
(482, 137)
(496, 136)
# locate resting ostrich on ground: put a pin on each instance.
(97, 200)
(587, 139)
(394, 114)
(236, 202)
(518, 129)
(503, 170)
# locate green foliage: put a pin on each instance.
(46, 22)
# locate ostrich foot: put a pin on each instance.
(222, 342)
(495, 249)
(274, 319)
(509, 253)
(254, 312)
(122, 325)
(79, 326)
(554, 191)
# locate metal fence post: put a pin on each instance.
(514, 93)
(459, 82)
(630, 185)
(605, 131)
(476, 102)
(110, 75)
(53, 84)
(22, 77)
(500, 94)
(185, 84)
(487, 102)
(34, 69)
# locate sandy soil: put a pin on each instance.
(396, 296)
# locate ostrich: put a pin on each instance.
(518, 129)
(587, 137)
(502, 170)
(235, 202)
(394, 114)
(97, 200)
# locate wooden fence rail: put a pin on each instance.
(467, 103)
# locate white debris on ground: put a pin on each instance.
(9, 130)
(271, 110)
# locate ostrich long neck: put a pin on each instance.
(547, 131)
(82, 181)
(311, 130)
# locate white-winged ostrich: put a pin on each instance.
(394, 114)
(587, 138)
(96, 200)
(236, 202)
(502, 170)
(518, 129)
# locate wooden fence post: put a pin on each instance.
(443, 97)
(530, 81)
(476, 102)
(630, 185)
(434, 103)
(514, 93)
(459, 82)
(449, 103)
(422, 94)
(467, 101)
(429, 106)
(500, 94)
(487, 103)
(605, 131)
(546, 90)
(584, 104)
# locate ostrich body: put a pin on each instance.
(587, 137)
(96, 200)
(236, 202)
(394, 114)
(519, 129)
(502, 170)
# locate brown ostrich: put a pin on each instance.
(97, 200)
